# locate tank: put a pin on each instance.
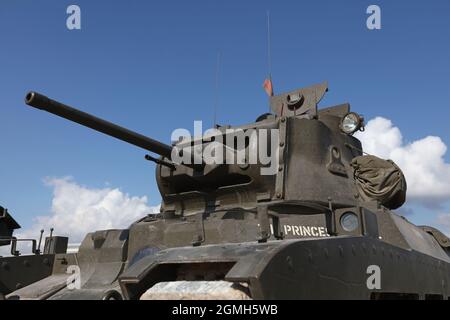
(18, 269)
(315, 222)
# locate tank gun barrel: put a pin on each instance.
(42, 102)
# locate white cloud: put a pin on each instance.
(422, 161)
(443, 220)
(77, 210)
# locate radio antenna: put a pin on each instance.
(216, 93)
(269, 53)
(268, 86)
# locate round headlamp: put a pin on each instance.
(349, 221)
(351, 123)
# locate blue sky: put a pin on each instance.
(150, 66)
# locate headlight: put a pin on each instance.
(351, 123)
(349, 221)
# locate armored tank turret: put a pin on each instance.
(287, 207)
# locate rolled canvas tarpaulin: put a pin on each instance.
(379, 179)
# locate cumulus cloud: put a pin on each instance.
(443, 221)
(422, 161)
(77, 210)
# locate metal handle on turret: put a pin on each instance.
(42, 102)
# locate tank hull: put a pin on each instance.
(331, 268)
(325, 268)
